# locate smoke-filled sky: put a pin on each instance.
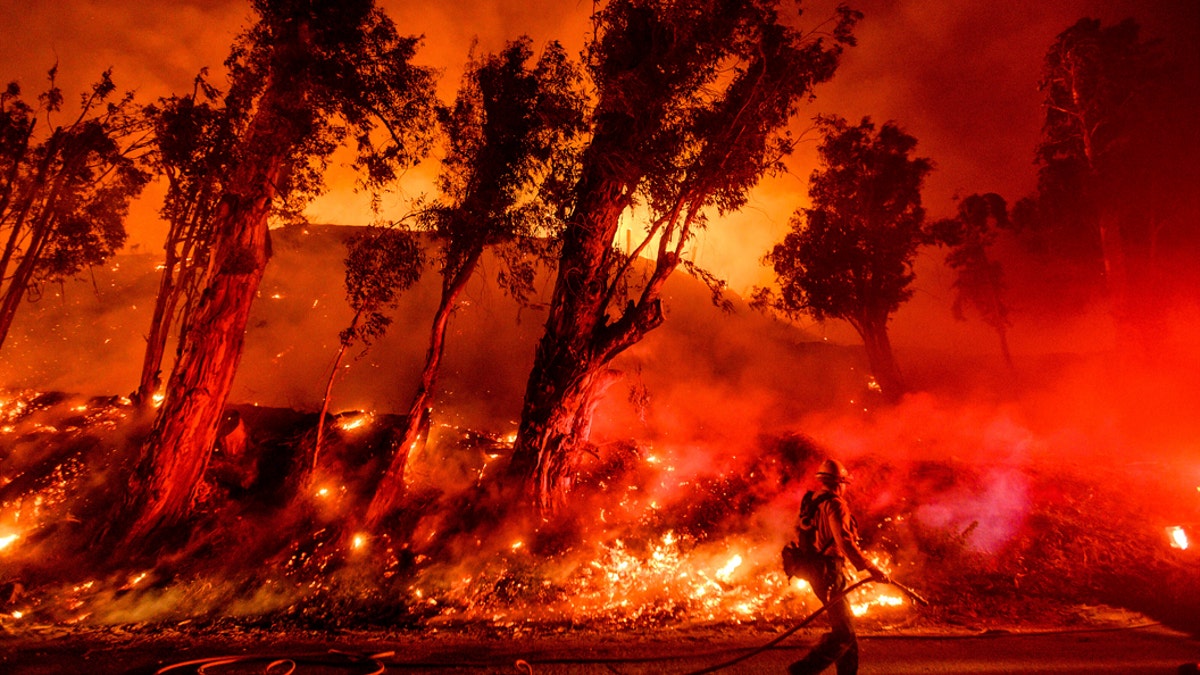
(960, 75)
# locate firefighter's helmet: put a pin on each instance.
(833, 471)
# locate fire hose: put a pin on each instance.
(373, 664)
(913, 595)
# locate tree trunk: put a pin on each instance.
(416, 427)
(176, 454)
(18, 284)
(880, 357)
(1116, 274)
(311, 469)
(160, 329)
(569, 371)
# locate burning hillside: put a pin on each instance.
(1001, 510)
(655, 535)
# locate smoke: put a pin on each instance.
(704, 448)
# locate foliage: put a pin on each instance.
(1116, 161)
(969, 235)
(849, 256)
(511, 145)
(380, 264)
(65, 191)
(692, 106)
(351, 78)
(309, 74)
(694, 102)
(195, 147)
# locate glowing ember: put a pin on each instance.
(7, 540)
(359, 541)
(158, 399)
(1176, 534)
(860, 609)
(516, 545)
(18, 614)
(354, 422)
(727, 571)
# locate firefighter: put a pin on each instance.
(837, 539)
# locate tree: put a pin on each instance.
(1101, 110)
(980, 280)
(849, 256)
(310, 74)
(195, 143)
(511, 137)
(692, 103)
(64, 195)
(382, 262)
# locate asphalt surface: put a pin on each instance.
(1148, 650)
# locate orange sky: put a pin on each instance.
(960, 75)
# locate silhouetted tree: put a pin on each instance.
(849, 256)
(195, 144)
(511, 143)
(311, 73)
(382, 262)
(1115, 160)
(980, 280)
(691, 106)
(64, 194)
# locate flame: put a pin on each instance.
(354, 422)
(727, 571)
(1178, 537)
(359, 542)
(862, 608)
(7, 540)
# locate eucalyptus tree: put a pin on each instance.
(692, 102)
(195, 141)
(511, 138)
(310, 75)
(849, 255)
(1103, 154)
(67, 178)
(979, 280)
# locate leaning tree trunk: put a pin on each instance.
(390, 490)
(183, 265)
(160, 327)
(880, 357)
(176, 454)
(18, 284)
(570, 364)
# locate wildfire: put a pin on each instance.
(727, 571)
(862, 608)
(1176, 535)
(355, 422)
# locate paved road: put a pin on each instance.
(1149, 651)
(1130, 652)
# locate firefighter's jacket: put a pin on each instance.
(837, 532)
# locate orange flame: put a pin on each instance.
(1178, 537)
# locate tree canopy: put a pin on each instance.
(849, 255)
